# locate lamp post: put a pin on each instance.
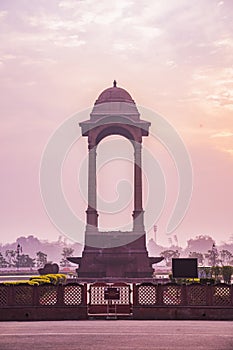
(214, 254)
(18, 251)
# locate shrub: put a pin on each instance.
(40, 280)
(54, 279)
(207, 280)
(62, 277)
(15, 283)
(226, 273)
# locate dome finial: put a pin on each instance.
(114, 83)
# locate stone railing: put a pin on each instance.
(19, 302)
(182, 301)
(148, 301)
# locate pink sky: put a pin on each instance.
(173, 57)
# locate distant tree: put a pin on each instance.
(200, 244)
(205, 272)
(199, 256)
(3, 262)
(11, 257)
(66, 252)
(24, 260)
(226, 257)
(212, 256)
(41, 259)
(169, 254)
(227, 273)
(215, 272)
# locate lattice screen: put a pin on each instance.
(124, 295)
(48, 295)
(72, 295)
(171, 295)
(147, 295)
(23, 295)
(3, 295)
(97, 295)
(222, 295)
(197, 295)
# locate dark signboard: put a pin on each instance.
(111, 293)
(184, 268)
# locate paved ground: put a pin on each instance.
(116, 334)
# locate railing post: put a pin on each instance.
(60, 295)
(135, 295)
(231, 291)
(84, 294)
(210, 292)
(11, 295)
(35, 296)
(89, 295)
(184, 297)
(160, 294)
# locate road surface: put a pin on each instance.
(116, 334)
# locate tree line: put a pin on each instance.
(17, 259)
(212, 257)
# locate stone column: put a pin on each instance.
(92, 215)
(138, 221)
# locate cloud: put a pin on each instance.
(213, 86)
(225, 42)
(69, 41)
(51, 22)
(222, 134)
(230, 151)
(7, 57)
(3, 15)
(69, 4)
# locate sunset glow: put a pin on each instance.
(173, 57)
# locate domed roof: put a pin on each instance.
(114, 94)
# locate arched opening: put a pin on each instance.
(115, 182)
(116, 129)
